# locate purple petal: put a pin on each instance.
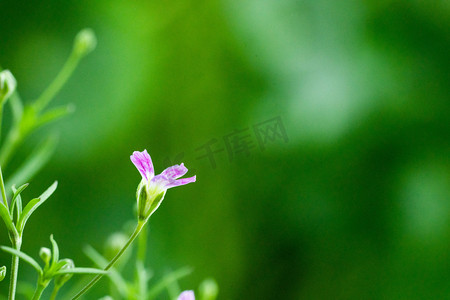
(187, 295)
(166, 182)
(175, 171)
(160, 180)
(181, 181)
(143, 163)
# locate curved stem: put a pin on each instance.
(58, 82)
(136, 232)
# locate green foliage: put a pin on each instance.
(27, 119)
(58, 270)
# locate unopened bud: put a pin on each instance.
(45, 254)
(209, 289)
(63, 278)
(85, 42)
(7, 85)
(2, 273)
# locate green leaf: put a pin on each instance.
(167, 280)
(81, 271)
(16, 196)
(116, 278)
(23, 256)
(48, 192)
(4, 213)
(34, 162)
(55, 114)
(33, 205)
(55, 251)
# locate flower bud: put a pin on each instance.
(63, 278)
(7, 85)
(45, 254)
(85, 42)
(209, 289)
(2, 273)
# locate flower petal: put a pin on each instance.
(181, 181)
(161, 181)
(165, 182)
(175, 171)
(187, 295)
(143, 163)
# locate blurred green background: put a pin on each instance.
(355, 205)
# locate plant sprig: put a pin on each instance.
(59, 270)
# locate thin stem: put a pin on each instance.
(58, 82)
(141, 274)
(54, 293)
(136, 232)
(16, 134)
(142, 246)
(16, 243)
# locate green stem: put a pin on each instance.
(136, 232)
(54, 293)
(141, 274)
(39, 290)
(16, 243)
(142, 246)
(58, 82)
(15, 136)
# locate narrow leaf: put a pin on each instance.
(16, 195)
(31, 206)
(45, 195)
(4, 213)
(55, 251)
(23, 256)
(81, 271)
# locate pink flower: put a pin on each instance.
(152, 189)
(187, 295)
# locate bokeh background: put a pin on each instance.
(352, 203)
